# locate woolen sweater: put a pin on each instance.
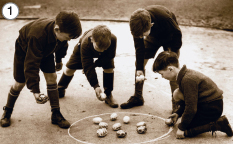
(38, 40)
(164, 29)
(88, 53)
(197, 89)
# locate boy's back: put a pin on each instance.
(195, 85)
(165, 23)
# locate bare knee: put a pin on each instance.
(69, 72)
(18, 86)
(108, 70)
(178, 95)
(50, 78)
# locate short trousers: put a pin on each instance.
(152, 45)
(206, 113)
(75, 61)
(47, 64)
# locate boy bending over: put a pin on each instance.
(152, 27)
(34, 50)
(99, 43)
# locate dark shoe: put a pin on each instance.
(5, 120)
(132, 102)
(58, 119)
(223, 125)
(110, 101)
(61, 92)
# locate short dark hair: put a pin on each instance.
(69, 22)
(102, 36)
(165, 59)
(140, 22)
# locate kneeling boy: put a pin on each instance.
(202, 100)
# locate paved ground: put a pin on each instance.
(207, 50)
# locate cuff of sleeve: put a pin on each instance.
(97, 85)
(58, 60)
(35, 89)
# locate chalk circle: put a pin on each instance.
(130, 128)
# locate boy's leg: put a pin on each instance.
(18, 73)
(208, 118)
(137, 99)
(222, 124)
(108, 79)
(52, 91)
(72, 65)
(151, 48)
(12, 97)
(64, 81)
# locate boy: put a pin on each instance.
(34, 50)
(202, 100)
(95, 43)
(152, 27)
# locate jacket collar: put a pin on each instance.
(181, 74)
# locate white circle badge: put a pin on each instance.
(10, 11)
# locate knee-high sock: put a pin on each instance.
(108, 79)
(53, 95)
(12, 97)
(64, 81)
(139, 87)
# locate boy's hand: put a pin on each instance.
(174, 117)
(40, 98)
(58, 66)
(180, 134)
(98, 91)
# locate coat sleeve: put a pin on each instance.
(191, 100)
(32, 63)
(139, 52)
(61, 52)
(89, 65)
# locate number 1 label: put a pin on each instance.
(10, 11)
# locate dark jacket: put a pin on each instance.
(38, 40)
(88, 53)
(197, 89)
(165, 29)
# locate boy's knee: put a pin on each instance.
(109, 70)
(50, 78)
(69, 72)
(178, 95)
(18, 86)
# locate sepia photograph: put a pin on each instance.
(116, 72)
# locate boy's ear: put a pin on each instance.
(170, 68)
(57, 28)
(152, 24)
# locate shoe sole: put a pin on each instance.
(130, 106)
(112, 106)
(55, 123)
